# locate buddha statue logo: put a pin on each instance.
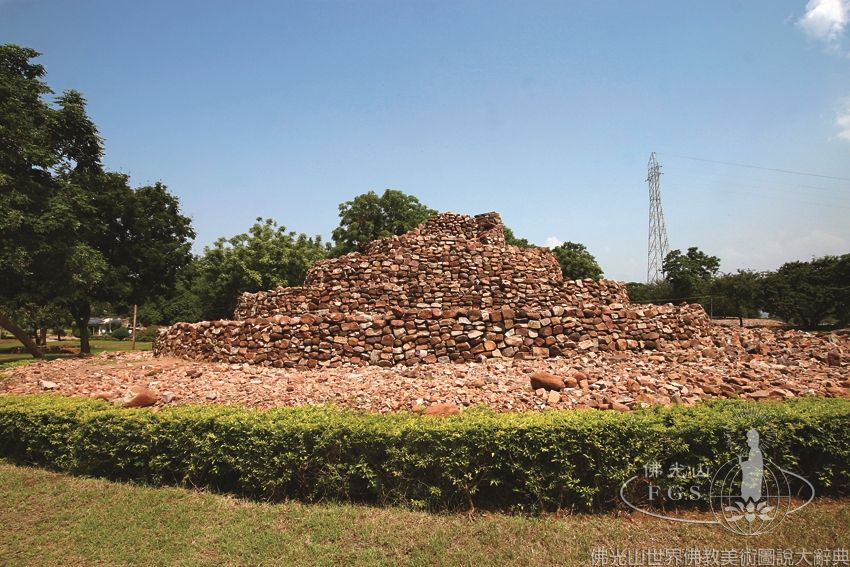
(748, 495)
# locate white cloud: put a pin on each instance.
(842, 120)
(825, 20)
(553, 242)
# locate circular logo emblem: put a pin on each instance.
(750, 498)
(748, 495)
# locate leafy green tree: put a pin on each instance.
(369, 217)
(691, 273)
(180, 304)
(656, 292)
(36, 318)
(513, 240)
(737, 295)
(71, 233)
(39, 140)
(129, 246)
(576, 262)
(841, 282)
(809, 293)
(266, 257)
(44, 317)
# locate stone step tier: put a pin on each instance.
(431, 335)
(487, 294)
(450, 260)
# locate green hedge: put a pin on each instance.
(522, 461)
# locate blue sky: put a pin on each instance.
(544, 111)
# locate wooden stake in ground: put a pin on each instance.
(134, 325)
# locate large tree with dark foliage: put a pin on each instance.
(576, 262)
(265, 257)
(128, 247)
(810, 293)
(369, 217)
(690, 273)
(512, 240)
(72, 233)
(736, 295)
(39, 141)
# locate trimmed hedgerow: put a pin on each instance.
(528, 461)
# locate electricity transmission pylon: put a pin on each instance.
(658, 246)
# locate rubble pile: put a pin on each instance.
(756, 364)
(450, 290)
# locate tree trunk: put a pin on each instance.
(21, 335)
(82, 314)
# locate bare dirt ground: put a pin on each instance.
(748, 363)
(749, 323)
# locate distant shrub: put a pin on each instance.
(120, 333)
(148, 334)
(529, 461)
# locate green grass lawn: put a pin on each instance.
(51, 519)
(8, 359)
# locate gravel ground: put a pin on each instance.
(747, 363)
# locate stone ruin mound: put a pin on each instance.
(450, 290)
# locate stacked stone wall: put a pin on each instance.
(432, 335)
(449, 290)
(343, 298)
(449, 261)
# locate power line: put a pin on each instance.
(778, 191)
(801, 201)
(750, 166)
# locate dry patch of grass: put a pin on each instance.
(47, 518)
